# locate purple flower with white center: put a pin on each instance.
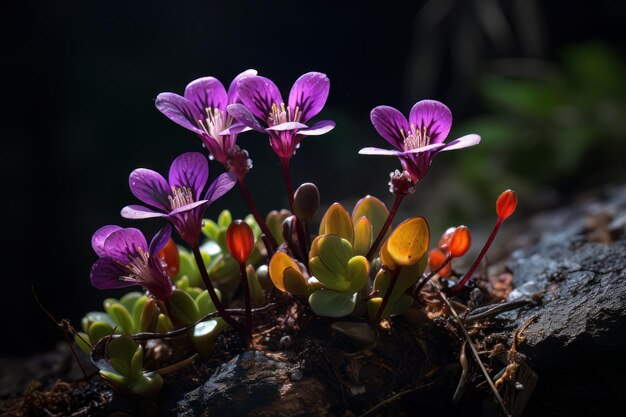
(202, 109)
(262, 108)
(180, 199)
(127, 260)
(419, 139)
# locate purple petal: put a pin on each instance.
(140, 212)
(319, 128)
(190, 169)
(207, 92)
(309, 94)
(150, 187)
(98, 238)
(258, 94)
(287, 126)
(389, 122)
(233, 94)
(235, 129)
(434, 116)
(220, 186)
(462, 142)
(179, 110)
(244, 116)
(106, 273)
(188, 207)
(123, 245)
(160, 240)
(378, 151)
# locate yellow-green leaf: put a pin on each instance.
(278, 264)
(372, 208)
(362, 236)
(337, 221)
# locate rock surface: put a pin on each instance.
(256, 384)
(578, 268)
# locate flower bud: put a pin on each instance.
(401, 183)
(445, 238)
(506, 204)
(436, 258)
(460, 241)
(240, 241)
(170, 258)
(306, 201)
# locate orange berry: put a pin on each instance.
(170, 258)
(506, 204)
(460, 241)
(240, 240)
(445, 238)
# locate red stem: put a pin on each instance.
(385, 227)
(284, 164)
(245, 192)
(246, 298)
(209, 286)
(392, 284)
(459, 285)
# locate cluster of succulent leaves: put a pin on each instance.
(338, 272)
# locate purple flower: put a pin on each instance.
(126, 260)
(264, 110)
(179, 200)
(202, 109)
(419, 139)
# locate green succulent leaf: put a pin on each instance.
(121, 351)
(329, 303)
(81, 340)
(98, 330)
(210, 229)
(224, 219)
(120, 315)
(136, 363)
(358, 273)
(94, 316)
(184, 307)
(137, 311)
(128, 300)
(361, 332)
(374, 210)
(294, 282)
(363, 236)
(205, 304)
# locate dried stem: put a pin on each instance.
(385, 227)
(474, 352)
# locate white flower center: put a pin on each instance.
(415, 138)
(215, 122)
(181, 196)
(283, 114)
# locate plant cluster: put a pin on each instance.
(356, 265)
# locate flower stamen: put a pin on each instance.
(416, 138)
(181, 196)
(283, 114)
(215, 122)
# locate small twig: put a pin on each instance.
(395, 397)
(493, 310)
(474, 352)
(176, 366)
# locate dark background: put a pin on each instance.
(80, 81)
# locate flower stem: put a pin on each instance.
(246, 298)
(427, 278)
(459, 285)
(385, 227)
(392, 284)
(284, 164)
(209, 286)
(245, 192)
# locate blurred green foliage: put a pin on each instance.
(555, 128)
